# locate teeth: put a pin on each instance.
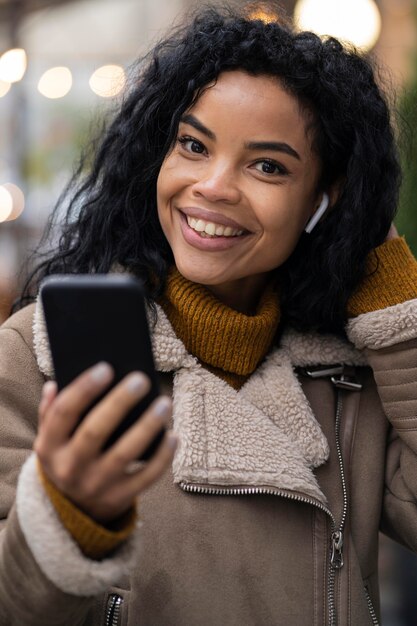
(209, 229)
(200, 226)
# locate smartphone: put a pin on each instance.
(100, 317)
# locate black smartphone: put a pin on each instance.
(100, 317)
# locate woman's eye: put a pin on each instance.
(269, 167)
(192, 145)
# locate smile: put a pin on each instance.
(210, 229)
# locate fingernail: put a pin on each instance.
(101, 372)
(162, 407)
(137, 382)
(172, 440)
(48, 387)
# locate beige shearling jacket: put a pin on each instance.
(271, 513)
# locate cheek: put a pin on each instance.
(164, 190)
(163, 183)
(282, 228)
(285, 220)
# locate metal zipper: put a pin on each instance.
(114, 605)
(336, 548)
(340, 381)
(336, 557)
(251, 491)
(371, 609)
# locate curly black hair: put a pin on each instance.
(111, 217)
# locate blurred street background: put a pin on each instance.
(63, 66)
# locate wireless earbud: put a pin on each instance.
(318, 214)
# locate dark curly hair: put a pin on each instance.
(112, 218)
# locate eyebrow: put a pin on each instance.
(274, 146)
(195, 123)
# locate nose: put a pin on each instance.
(218, 183)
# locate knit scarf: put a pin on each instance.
(228, 343)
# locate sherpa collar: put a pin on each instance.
(263, 435)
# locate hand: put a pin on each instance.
(102, 484)
(392, 233)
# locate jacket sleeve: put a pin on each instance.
(44, 577)
(389, 340)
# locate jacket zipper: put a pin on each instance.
(114, 605)
(336, 547)
(371, 608)
(336, 558)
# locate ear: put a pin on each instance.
(335, 190)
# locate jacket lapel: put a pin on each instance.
(264, 434)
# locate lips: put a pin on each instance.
(197, 231)
(211, 224)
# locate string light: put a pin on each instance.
(355, 21)
(4, 88)
(108, 80)
(13, 65)
(18, 200)
(55, 82)
(260, 11)
(6, 203)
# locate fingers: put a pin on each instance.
(138, 437)
(61, 414)
(49, 392)
(137, 482)
(103, 484)
(102, 420)
(392, 233)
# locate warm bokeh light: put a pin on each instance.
(18, 200)
(4, 88)
(55, 82)
(263, 15)
(13, 65)
(355, 21)
(108, 80)
(6, 203)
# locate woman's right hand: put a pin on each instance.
(101, 483)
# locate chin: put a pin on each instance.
(200, 276)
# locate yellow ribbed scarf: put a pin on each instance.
(227, 342)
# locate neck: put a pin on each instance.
(243, 294)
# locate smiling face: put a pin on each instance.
(239, 185)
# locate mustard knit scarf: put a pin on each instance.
(228, 343)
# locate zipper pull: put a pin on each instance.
(337, 550)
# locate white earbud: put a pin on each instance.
(318, 214)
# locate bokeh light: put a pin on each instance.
(13, 65)
(4, 88)
(108, 80)
(55, 82)
(18, 200)
(6, 203)
(262, 14)
(355, 21)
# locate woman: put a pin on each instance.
(290, 355)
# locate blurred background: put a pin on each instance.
(62, 68)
